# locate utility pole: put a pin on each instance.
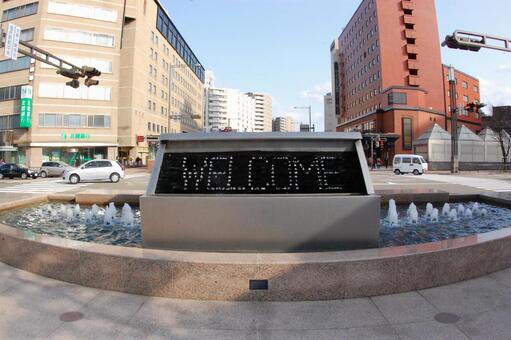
(311, 128)
(454, 122)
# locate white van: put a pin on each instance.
(404, 164)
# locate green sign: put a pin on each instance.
(66, 136)
(26, 107)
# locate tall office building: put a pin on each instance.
(229, 110)
(330, 118)
(151, 81)
(283, 124)
(263, 112)
(387, 71)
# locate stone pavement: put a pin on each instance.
(35, 307)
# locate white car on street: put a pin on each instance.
(96, 170)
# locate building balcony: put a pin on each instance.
(409, 19)
(413, 64)
(413, 80)
(410, 34)
(407, 4)
(411, 49)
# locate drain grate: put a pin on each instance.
(71, 316)
(447, 318)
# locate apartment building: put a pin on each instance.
(229, 110)
(284, 124)
(329, 109)
(263, 112)
(120, 116)
(387, 71)
(467, 92)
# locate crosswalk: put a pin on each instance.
(495, 185)
(42, 187)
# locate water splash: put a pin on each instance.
(461, 209)
(453, 215)
(446, 210)
(429, 209)
(392, 216)
(468, 213)
(434, 215)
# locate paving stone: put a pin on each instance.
(503, 277)
(17, 322)
(320, 315)
(405, 308)
(114, 306)
(201, 334)
(97, 329)
(467, 297)
(429, 330)
(366, 333)
(494, 324)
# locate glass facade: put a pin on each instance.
(20, 11)
(74, 156)
(407, 134)
(9, 65)
(170, 32)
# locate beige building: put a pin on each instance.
(284, 124)
(263, 112)
(143, 91)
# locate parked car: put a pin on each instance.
(49, 169)
(95, 170)
(11, 170)
(404, 164)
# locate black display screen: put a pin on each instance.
(261, 173)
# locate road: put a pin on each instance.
(383, 180)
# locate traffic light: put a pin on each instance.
(452, 42)
(91, 82)
(90, 72)
(70, 73)
(73, 83)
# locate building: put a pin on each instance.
(387, 71)
(229, 110)
(263, 112)
(135, 46)
(467, 91)
(283, 124)
(500, 119)
(330, 118)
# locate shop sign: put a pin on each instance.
(74, 136)
(26, 107)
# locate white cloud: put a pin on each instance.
(317, 92)
(495, 92)
(503, 67)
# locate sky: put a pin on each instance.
(282, 47)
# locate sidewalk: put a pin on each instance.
(35, 307)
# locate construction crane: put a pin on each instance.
(471, 41)
(63, 67)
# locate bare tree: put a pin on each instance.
(504, 140)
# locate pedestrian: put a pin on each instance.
(2, 162)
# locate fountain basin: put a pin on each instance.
(290, 276)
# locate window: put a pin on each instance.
(103, 65)
(9, 65)
(476, 89)
(407, 160)
(20, 11)
(416, 160)
(9, 122)
(82, 11)
(465, 99)
(407, 134)
(397, 98)
(10, 92)
(60, 90)
(79, 37)
(27, 34)
(56, 120)
(464, 84)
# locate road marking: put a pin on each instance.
(43, 187)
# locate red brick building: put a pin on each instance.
(467, 91)
(387, 74)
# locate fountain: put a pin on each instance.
(413, 213)
(95, 211)
(468, 213)
(108, 218)
(453, 215)
(69, 215)
(127, 216)
(434, 215)
(461, 209)
(88, 216)
(446, 209)
(392, 216)
(429, 209)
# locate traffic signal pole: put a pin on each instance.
(63, 67)
(454, 122)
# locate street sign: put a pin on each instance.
(12, 42)
(26, 107)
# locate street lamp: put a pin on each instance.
(310, 114)
(173, 67)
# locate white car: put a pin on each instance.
(404, 164)
(96, 170)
